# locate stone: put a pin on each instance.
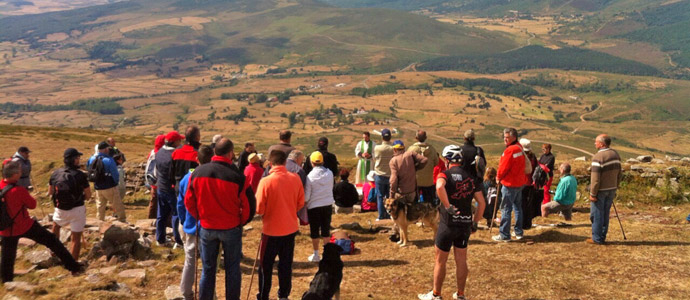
(146, 225)
(147, 263)
(145, 241)
(658, 161)
(351, 226)
(129, 193)
(671, 183)
(10, 297)
(40, 258)
(654, 193)
(123, 288)
(673, 171)
(93, 278)
(645, 158)
(92, 222)
(141, 252)
(636, 168)
(649, 175)
(114, 260)
(107, 270)
(672, 158)
(667, 208)
(65, 235)
(24, 271)
(173, 293)
(118, 233)
(26, 242)
(138, 274)
(581, 158)
(19, 286)
(633, 161)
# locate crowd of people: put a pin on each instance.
(206, 195)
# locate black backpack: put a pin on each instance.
(96, 170)
(540, 177)
(5, 220)
(65, 189)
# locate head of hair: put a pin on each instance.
(421, 136)
(278, 157)
(605, 139)
(566, 167)
(192, 134)
(366, 133)
(512, 131)
(69, 162)
(546, 146)
(205, 154)
(295, 155)
(344, 173)
(216, 138)
(11, 169)
(322, 144)
(386, 138)
(110, 141)
(247, 145)
(285, 135)
(223, 147)
(490, 173)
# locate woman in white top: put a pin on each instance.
(318, 198)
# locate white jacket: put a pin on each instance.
(319, 191)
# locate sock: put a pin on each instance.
(316, 252)
(461, 293)
(436, 293)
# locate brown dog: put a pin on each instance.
(404, 214)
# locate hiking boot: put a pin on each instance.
(498, 238)
(394, 238)
(456, 297)
(429, 296)
(314, 258)
(517, 237)
(592, 242)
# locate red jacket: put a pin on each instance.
(438, 169)
(183, 159)
(253, 173)
(18, 202)
(219, 196)
(511, 167)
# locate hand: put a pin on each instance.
(592, 198)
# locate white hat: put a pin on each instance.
(370, 176)
(526, 144)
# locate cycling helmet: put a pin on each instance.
(452, 153)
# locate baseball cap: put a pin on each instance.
(23, 149)
(253, 157)
(526, 144)
(173, 136)
(398, 144)
(103, 145)
(469, 134)
(386, 132)
(316, 157)
(71, 152)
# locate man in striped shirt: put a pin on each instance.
(606, 176)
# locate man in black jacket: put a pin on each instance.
(473, 159)
(330, 161)
(243, 162)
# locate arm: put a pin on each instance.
(27, 199)
(190, 199)
(307, 192)
(248, 200)
(358, 150)
(503, 166)
(420, 161)
(441, 191)
(595, 178)
(481, 205)
(112, 168)
(87, 193)
(261, 198)
(181, 210)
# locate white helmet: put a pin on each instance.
(452, 153)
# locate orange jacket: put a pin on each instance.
(511, 167)
(279, 196)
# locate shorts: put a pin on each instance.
(320, 220)
(75, 218)
(457, 237)
(555, 207)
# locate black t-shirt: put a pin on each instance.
(460, 188)
(80, 184)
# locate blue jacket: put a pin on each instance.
(112, 176)
(188, 222)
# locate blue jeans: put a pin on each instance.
(232, 247)
(167, 203)
(599, 215)
(512, 200)
(383, 188)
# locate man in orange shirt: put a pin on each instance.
(279, 196)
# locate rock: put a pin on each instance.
(123, 288)
(581, 158)
(10, 297)
(24, 272)
(20, 286)
(129, 193)
(636, 168)
(65, 235)
(107, 270)
(145, 241)
(93, 278)
(146, 225)
(351, 226)
(671, 184)
(118, 233)
(173, 293)
(633, 161)
(26, 242)
(672, 158)
(48, 219)
(673, 171)
(630, 204)
(91, 222)
(685, 161)
(649, 175)
(666, 208)
(141, 252)
(40, 258)
(645, 158)
(658, 161)
(147, 263)
(114, 260)
(654, 193)
(138, 274)
(356, 208)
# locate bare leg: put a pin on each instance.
(326, 240)
(461, 269)
(76, 245)
(544, 212)
(440, 269)
(315, 244)
(56, 230)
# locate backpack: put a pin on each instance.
(480, 163)
(65, 188)
(491, 194)
(528, 163)
(540, 176)
(5, 220)
(96, 170)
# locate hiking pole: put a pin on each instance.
(619, 220)
(493, 217)
(251, 279)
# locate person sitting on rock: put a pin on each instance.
(18, 201)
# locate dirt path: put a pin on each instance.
(411, 66)
(582, 117)
(379, 46)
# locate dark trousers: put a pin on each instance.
(427, 194)
(39, 235)
(167, 203)
(284, 248)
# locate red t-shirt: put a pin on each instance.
(18, 202)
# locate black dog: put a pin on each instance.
(326, 282)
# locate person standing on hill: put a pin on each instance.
(382, 157)
(511, 174)
(183, 160)
(221, 199)
(606, 177)
(425, 176)
(364, 152)
(243, 162)
(330, 161)
(547, 161)
(530, 203)
(253, 171)
(69, 188)
(22, 157)
(404, 166)
(165, 184)
(318, 197)
(473, 159)
(103, 172)
(189, 226)
(151, 176)
(18, 201)
(285, 137)
(279, 196)
(114, 150)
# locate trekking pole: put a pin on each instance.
(619, 220)
(251, 279)
(38, 195)
(493, 217)
(196, 263)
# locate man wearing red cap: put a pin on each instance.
(165, 183)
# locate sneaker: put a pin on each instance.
(517, 237)
(176, 245)
(456, 297)
(380, 220)
(592, 242)
(314, 258)
(498, 238)
(429, 296)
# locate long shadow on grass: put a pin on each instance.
(554, 236)
(648, 243)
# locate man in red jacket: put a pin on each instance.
(221, 199)
(511, 174)
(184, 159)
